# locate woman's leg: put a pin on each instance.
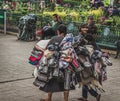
(66, 94)
(84, 93)
(117, 53)
(49, 97)
(95, 94)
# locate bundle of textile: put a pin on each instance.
(71, 63)
(86, 54)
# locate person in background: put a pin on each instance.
(96, 3)
(42, 5)
(92, 31)
(14, 3)
(47, 32)
(50, 30)
(118, 48)
(92, 28)
(54, 85)
(115, 11)
(110, 10)
(59, 2)
(55, 22)
(102, 20)
(89, 34)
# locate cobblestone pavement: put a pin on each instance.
(15, 75)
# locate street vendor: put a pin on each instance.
(54, 85)
(88, 39)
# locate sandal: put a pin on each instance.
(82, 99)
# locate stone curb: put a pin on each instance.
(9, 33)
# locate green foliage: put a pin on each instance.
(106, 2)
(0, 3)
(72, 2)
(116, 20)
(24, 1)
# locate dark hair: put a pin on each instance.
(90, 17)
(47, 31)
(62, 29)
(83, 26)
(55, 15)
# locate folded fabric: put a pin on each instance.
(32, 58)
(34, 63)
(35, 57)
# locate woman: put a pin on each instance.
(56, 85)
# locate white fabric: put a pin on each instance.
(43, 43)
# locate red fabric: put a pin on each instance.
(39, 32)
(75, 63)
(32, 58)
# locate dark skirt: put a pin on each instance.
(55, 85)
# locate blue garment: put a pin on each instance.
(85, 91)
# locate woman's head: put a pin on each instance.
(83, 28)
(62, 30)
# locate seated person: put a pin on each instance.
(55, 22)
(47, 32)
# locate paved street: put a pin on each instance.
(16, 79)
